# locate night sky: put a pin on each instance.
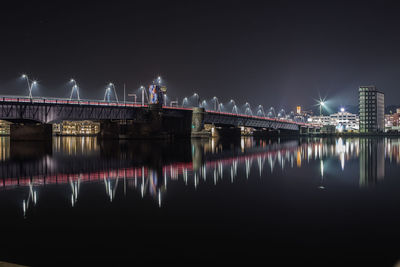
(276, 54)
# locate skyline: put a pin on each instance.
(286, 54)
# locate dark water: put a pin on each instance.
(279, 201)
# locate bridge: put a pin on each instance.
(130, 119)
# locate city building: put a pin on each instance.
(343, 120)
(320, 120)
(4, 127)
(76, 128)
(372, 110)
(392, 121)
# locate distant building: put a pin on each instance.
(392, 121)
(4, 127)
(320, 120)
(372, 109)
(343, 121)
(76, 128)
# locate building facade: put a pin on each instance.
(372, 109)
(343, 121)
(76, 128)
(392, 121)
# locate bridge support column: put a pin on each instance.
(31, 132)
(198, 123)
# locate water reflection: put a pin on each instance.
(148, 167)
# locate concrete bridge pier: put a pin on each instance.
(152, 123)
(198, 123)
(31, 131)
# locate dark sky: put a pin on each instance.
(278, 54)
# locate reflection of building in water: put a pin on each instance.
(76, 128)
(150, 178)
(4, 127)
(4, 148)
(372, 160)
(70, 145)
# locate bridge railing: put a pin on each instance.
(40, 100)
(255, 117)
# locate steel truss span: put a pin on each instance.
(45, 110)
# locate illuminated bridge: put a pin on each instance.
(143, 120)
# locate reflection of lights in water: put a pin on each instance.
(322, 174)
(315, 152)
(298, 158)
(284, 155)
(259, 165)
(309, 153)
(242, 144)
(341, 149)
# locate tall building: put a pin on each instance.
(372, 109)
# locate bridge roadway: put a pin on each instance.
(51, 110)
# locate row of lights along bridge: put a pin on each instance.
(188, 102)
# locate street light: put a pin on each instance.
(321, 104)
(235, 109)
(107, 94)
(141, 88)
(185, 100)
(30, 85)
(74, 87)
(216, 103)
(165, 99)
(112, 86)
(198, 99)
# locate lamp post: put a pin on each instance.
(165, 100)
(30, 84)
(321, 104)
(216, 103)
(111, 85)
(185, 100)
(107, 94)
(235, 109)
(197, 99)
(143, 92)
(74, 87)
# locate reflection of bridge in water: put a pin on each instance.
(149, 168)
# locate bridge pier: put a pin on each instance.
(31, 132)
(154, 123)
(197, 127)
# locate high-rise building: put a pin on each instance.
(372, 109)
